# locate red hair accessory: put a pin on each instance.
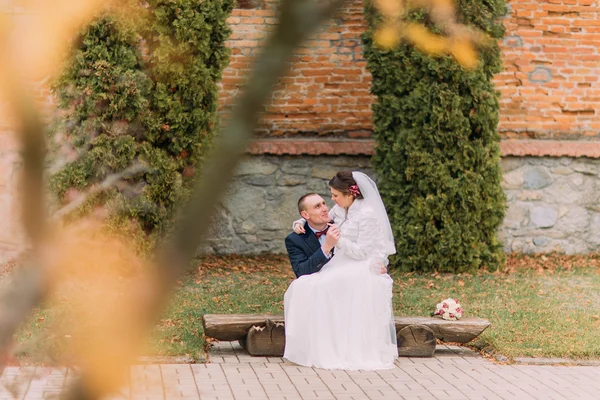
(354, 190)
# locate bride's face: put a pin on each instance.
(341, 199)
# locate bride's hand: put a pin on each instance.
(299, 228)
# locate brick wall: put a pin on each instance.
(327, 89)
(550, 84)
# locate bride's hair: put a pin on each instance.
(342, 182)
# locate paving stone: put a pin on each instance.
(453, 373)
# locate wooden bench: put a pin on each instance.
(264, 334)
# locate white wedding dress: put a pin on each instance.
(341, 317)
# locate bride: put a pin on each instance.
(341, 317)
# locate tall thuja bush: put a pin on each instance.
(438, 151)
(145, 92)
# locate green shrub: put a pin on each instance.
(143, 92)
(438, 151)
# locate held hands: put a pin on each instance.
(331, 238)
(333, 234)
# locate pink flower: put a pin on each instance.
(354, 190)
(445, 305)
(452, 316)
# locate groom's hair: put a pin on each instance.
(301, 201)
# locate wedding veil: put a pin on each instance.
(369, 190)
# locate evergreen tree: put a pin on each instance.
(438, 150)
(144, 92)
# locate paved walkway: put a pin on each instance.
(454, 373)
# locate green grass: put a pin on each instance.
(544, 306)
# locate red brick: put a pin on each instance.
(327, 88)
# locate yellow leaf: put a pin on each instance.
(46, 34)
(464, 53)
(387, 36)
(389, 8)
(446, 6)
(425, 40)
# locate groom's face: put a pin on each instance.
(315, 210)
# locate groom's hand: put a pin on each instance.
(331, 238)
(379, 266)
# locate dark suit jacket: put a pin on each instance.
(305, 252)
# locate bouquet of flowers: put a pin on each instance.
(449, 309)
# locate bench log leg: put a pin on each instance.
(416, 341)
(268, 340)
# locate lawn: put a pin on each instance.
(540, 306)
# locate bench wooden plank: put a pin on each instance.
(230, 327)
(462, 331)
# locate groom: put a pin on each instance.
(310, 250)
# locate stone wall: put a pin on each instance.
(553, 205)
(262, 201)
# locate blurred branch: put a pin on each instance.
(107, 183)
(297, 20)
(29, 287)
(33, 151)
(31, 284)
(23, 294)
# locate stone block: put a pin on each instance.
(325, 173)
(300, 166)
(593, 237)
(529, 195)
(291, 180)
(510, 163)
(256, 166)
(562, 170)
(318, 186)
(576, 219)
(536, 178)
(513, 179)
(585, 167)
(244, 199)
(523, 245)
(544, 216)
(562, 193)
(259, 180)
(516, 215)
